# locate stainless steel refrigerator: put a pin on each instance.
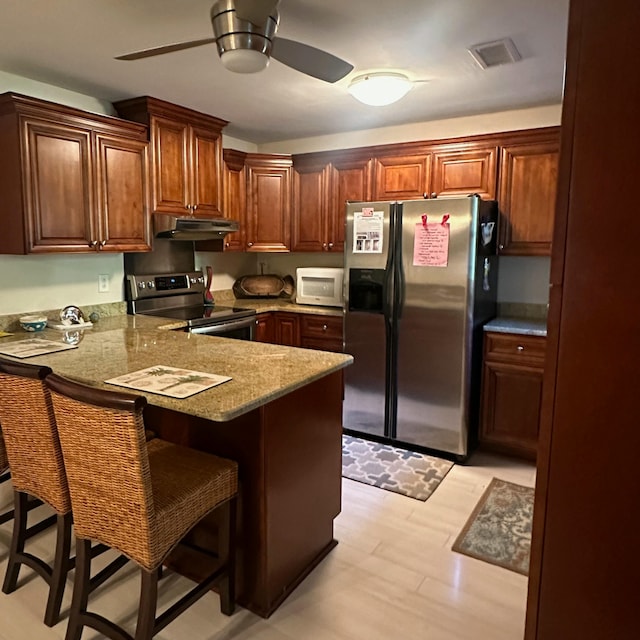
(420, 283)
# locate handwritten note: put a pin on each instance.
(431, 245)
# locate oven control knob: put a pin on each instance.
(151, 284)
(142, 285)
(193, 280)
(201, 279)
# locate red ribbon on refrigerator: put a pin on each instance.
(424, 219)
(445, 217)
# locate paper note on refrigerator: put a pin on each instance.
(368, 231)
(431, 245)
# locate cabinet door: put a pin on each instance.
(528, 178)
(122, 188)
(206, 172)
(268, 208)
(265, 328)
(59, 187)
(309, 228)
(462, 172)
(511, 408)
(402, 177)
(234, 201)
(287, 329)
(350, 180)
(171, 182)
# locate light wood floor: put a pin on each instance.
(392, 576)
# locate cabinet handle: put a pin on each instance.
(93, 244)
(425, 195)
(331, 245)
(324, 327)
(193, 208)
(227, 244)
(501, 247)
(520, 347)
(249, 244)
(324, 245)
(434, 194)
(102, 243)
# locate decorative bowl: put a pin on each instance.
(33, 323)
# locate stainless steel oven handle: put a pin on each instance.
(223, 327)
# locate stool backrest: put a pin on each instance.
(4, 461)
(103, 443)
(30, 434)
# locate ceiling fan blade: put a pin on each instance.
(255, 11)
(168, 48)
(314, 62)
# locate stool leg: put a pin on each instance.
(61, 566)
(81, 587)
(148, 604)
(17, 541)
(228, 539)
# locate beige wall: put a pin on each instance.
(31, 283)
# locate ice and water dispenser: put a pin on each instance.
(366, 290)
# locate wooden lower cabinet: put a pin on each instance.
(287, 329)
(321, 332)
(511, 393)
(265, 328)
(306, 330)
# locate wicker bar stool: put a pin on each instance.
(4, 476)
(141, 500)
(37, 470)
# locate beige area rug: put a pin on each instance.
(499, 529)
(411, 474)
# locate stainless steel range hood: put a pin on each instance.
(189, 228)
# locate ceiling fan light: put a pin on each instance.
(379, 89)
(244, 60)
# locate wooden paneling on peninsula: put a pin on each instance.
(186, 156)
(71, 181)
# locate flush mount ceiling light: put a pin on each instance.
(380, 88)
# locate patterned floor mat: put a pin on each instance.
(411, 474)
(499, 529)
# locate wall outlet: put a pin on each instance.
(103, 283)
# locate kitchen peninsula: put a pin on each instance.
(279, 417)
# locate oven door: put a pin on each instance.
(241, 328)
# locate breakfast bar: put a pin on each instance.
(279, 417)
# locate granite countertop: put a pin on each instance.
(522, 326)
(260, 372)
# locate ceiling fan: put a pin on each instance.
(244, 33)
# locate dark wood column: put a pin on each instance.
(585, 564)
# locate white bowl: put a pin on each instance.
(33, 323)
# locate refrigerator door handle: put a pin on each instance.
(398, 285)
(388, 293)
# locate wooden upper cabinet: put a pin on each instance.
(268, 210)
(465, 171)
(350, 180)
(60, 199)
(186, 156)
(123, 194)
(402, 177)
(234, 196)
(310, 218)
(528, 179)
(71, 181)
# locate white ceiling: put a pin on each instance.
(72, 44)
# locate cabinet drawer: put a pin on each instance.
(513, 347)
(321, 327)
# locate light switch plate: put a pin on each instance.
(103, 283)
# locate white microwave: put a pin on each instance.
(319, 286)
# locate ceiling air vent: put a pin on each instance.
(493, 54)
